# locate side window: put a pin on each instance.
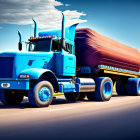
(55, 46)
(69, 48)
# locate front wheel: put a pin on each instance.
(10, 97)
(41, 94)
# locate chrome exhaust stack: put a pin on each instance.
(63, 33)
(35, 28)
(20, 41)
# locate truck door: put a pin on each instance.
(65, 61)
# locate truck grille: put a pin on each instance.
(6, 67)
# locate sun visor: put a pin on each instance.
(69, 32)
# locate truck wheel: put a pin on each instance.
(121, 89)
(73, 96)
(133, 86)
(41, 94)
(10, 97)
(104, 88)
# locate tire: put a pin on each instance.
(41, 94)
(104, 88)
(10, 97)
(121, 89)
(73, 96)
(133, 86)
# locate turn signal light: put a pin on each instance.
(24, 76)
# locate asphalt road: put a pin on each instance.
(117, 119)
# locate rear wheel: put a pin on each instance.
(104, 88)
(41, 94)
(10, 97)
(133, 86)
(73, 96)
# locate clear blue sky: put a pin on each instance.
(117, 19)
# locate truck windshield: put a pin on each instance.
(40, 45)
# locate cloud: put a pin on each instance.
(67, 5)
(1, 27)
(45, 12)
(73, 17)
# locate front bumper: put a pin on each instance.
(14, 84)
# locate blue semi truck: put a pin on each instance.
(49, 66)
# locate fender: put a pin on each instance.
(36, 73)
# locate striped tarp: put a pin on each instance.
(94, 49)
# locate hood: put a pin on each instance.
(19, 61)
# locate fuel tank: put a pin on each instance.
(94, 49)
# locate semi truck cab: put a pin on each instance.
(46, 59)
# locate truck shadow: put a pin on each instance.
(26, 104)
(56, 101)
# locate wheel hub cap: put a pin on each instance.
(107, 88)
(44, 94)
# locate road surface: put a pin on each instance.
(118, 118)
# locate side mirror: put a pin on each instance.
(63, 44)
(20, 46)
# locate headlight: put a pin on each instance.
(24, 76)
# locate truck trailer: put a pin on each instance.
(69, 61)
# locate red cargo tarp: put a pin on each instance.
(94, 49)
